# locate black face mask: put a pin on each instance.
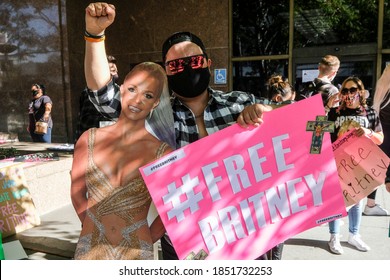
(34, 93)
(190, 82)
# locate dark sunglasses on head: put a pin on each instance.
(177, 65)
(352, 90)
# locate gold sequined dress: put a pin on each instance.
(115, 226)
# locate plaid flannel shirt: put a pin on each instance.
(221, 111)
(89, 115)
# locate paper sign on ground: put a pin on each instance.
(17, 209)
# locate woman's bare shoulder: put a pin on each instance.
(155, 146)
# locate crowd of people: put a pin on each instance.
(108, 192)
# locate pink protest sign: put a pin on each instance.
(361, 166)
(239, 192)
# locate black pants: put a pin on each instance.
(169, 253)
(274, 254)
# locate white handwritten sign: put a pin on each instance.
(361, 166)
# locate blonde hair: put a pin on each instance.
(160, 123)
(329, 64)
(382, 90)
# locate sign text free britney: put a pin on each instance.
(238, 193)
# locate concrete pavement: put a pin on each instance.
(313, 244)
(58, 233)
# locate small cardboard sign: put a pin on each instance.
(361, 166)
(17, 209)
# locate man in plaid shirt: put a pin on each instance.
(222, 110)
(198, 109)
(89, 116)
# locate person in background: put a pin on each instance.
(113, 68)
(114, 213)
(352, 106)
(382, 106)
(280, 90)
(327, 71)
(39, 109)
(328, 68)
(89, 116)
(198, 109)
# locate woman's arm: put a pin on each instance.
(157, 229)
(78, 188)
(376, 137)
(98, 16)
(46, 115)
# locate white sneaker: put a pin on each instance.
(334, 244)
(377, 210)
(356, 241)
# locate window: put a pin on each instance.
(386, 25)
(262, 45)
(260, 27)
(252, 76)
(318, 22)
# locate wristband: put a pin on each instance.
(371, 133)
(94, 40)
(87, 34)
(327, 109)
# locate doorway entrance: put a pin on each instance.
(355, 60)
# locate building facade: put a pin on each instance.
(42, 42)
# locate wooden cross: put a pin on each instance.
(201, 255)
(319, 126)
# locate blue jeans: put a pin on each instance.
(43, 138)
(354, 220)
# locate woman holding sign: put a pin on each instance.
(108, 192)
(353, 107)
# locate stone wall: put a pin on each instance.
(140, 29)
(49, 49)
(49, 184)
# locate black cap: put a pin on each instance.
(179, 37)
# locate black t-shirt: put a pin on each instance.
(367, 118)
(36, 110)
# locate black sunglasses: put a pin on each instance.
(177, 65)
(352, 90)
